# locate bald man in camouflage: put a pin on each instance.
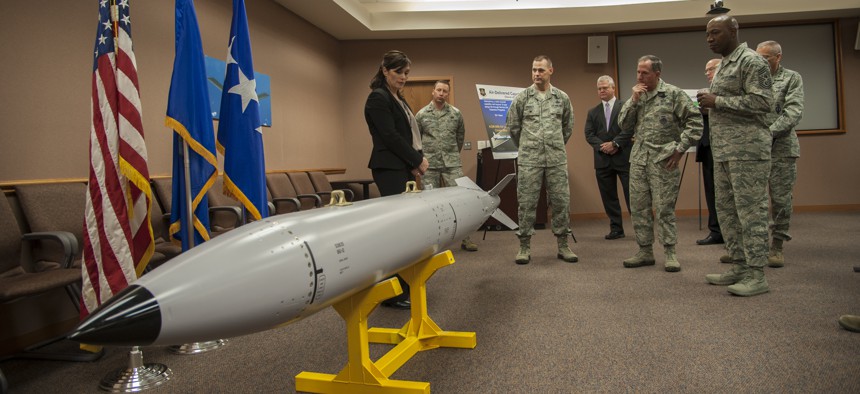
(739, 101)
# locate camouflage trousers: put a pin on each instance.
(441, 177)
(783, 175)
(529, 180)
(654, 186)
(740, 189)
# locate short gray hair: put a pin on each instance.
(607, 79)
(774, 47)
(656, 63)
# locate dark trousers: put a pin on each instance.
(393, 182)
(708, 179)
(608, 185)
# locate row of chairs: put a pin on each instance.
(42, 225)
(286, 192)
(41, 233)
(40, 241)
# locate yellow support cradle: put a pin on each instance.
(361, 375)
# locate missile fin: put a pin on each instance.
(501, 185)
(504, 219)
(464, 181)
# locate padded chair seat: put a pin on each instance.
(27, 284)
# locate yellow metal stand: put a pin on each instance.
(364, 376)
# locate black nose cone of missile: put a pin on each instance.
(131, 318)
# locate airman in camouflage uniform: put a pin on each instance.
(540, 121)
(442, 137)
(739, 100)
(783, 118)
(665, 122)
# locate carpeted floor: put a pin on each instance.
(552, 327)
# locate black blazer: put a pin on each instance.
(391, 132)
(597, 133)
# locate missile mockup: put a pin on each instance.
(287, 267)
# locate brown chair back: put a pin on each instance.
(163, 188)
(54, 207)
(222, 220)
(281, 186)
(10, 241)
(302, 182)
(320, 181)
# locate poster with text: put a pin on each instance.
(495, 101)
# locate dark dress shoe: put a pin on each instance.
(406, 304)
(710, 240)
(615, 235)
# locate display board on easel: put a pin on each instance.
(495, 101)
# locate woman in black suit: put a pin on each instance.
(396, 157)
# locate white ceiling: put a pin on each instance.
(386, 19)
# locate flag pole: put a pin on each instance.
(189, 217)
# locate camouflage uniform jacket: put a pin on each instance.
(442, 135)
(739, 127)
(786, 114)
(541, 128)
(664, 121)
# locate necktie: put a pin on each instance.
(607, 112)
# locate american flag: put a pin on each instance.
(118, 241)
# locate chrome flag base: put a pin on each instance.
(137, 377)
(198, 347)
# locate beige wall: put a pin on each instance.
(46, 81)
(319, 86)
(828, 168)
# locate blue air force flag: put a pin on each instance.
(189, 116)
(240, 133)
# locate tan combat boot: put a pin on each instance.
(645, 256)
(525, 253)
(467, 244)
(775, 259)
(730, 277)
(850, 322)
(564, 251)
(752, 284)
(726, 259)
(672, 264)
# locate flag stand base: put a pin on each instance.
(198, 347)
(420, 333)
(137, 377)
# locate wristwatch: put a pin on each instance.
(615, 144)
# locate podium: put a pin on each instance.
(490, 172)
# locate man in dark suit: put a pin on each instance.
(611, 153)
(704, 156)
